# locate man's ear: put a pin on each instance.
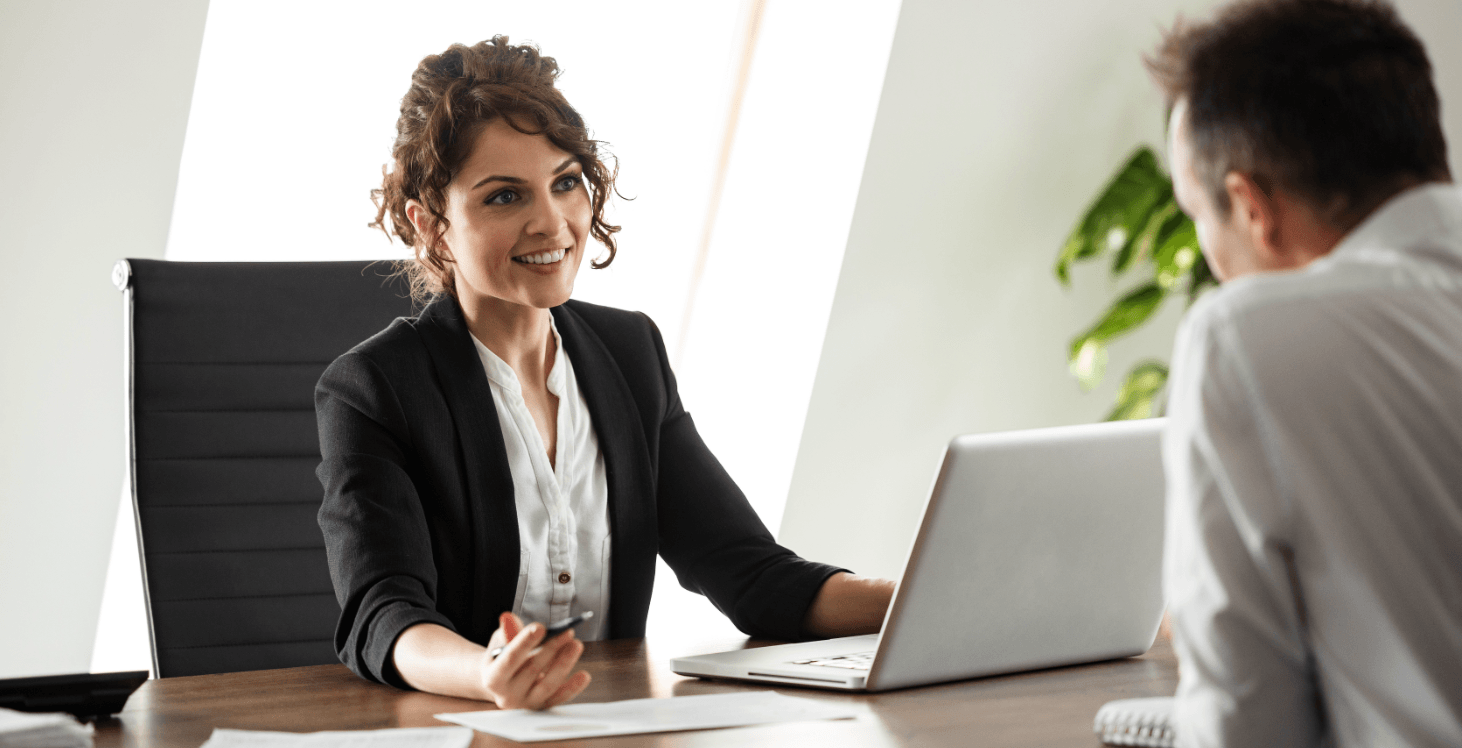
(1254, 212)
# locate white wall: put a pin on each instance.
(998, 123)
(95, 97)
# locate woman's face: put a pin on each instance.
(519, 218)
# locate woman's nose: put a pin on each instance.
(545, 218)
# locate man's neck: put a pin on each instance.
(1303, 235)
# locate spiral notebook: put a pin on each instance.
(1146, 722)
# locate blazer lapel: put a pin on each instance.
(632, 518)
(484, 459)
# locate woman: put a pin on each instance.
(512, 454)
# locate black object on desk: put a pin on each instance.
(83, 694)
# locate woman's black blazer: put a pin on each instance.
(419, 518)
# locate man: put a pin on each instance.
(1313, 564)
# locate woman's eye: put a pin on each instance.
(505, 197)
(568, 184)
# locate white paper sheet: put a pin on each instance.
(28, 730)
(648, 715)
(404, 737)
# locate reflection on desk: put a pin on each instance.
(1045, 708)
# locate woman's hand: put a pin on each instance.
(526, 675)
(529, 673)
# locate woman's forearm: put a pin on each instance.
(529, 673)
(848, 605)
(435, 659)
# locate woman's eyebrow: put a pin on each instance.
(497, 178)
(516, 180)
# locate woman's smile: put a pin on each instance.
(546, 257)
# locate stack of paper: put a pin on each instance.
(19, 729)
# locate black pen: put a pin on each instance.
(554, 629)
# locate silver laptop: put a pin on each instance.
(1037, 549)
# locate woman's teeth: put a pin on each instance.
(542, 258)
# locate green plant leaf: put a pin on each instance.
(1158, 217)
(1128, 312)
(1088, 355)
(1116, 219)
(1177, 253)
(1089, 363)
(1140, 392)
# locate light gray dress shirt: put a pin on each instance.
(1313, 564)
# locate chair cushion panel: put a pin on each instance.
(234, 659)
(232, 386)
(214, 528)
(283, 480)
(255, 620)
(264, 311)
(249, 434)
(174, 577)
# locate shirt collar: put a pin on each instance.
(1422, 216)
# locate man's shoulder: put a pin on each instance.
(1315, 333)
(1237, 303)
(1256, 326)
(1279, 300)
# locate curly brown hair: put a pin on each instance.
(452, 96)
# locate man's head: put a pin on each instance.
(1292, 120)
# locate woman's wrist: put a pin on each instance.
(848, 605)
(435, 659)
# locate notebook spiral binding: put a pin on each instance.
(1150, 735)
(1144, 722)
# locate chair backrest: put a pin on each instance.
(222, 364)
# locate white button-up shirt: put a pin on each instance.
(563, 507)
(1313, 564)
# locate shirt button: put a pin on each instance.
(564, 578)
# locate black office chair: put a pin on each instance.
(222, 360)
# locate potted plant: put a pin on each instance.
(1136, 221)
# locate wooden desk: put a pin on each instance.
(1046, 708)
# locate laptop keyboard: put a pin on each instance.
(856, 661)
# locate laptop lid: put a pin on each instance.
(1037, 548)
